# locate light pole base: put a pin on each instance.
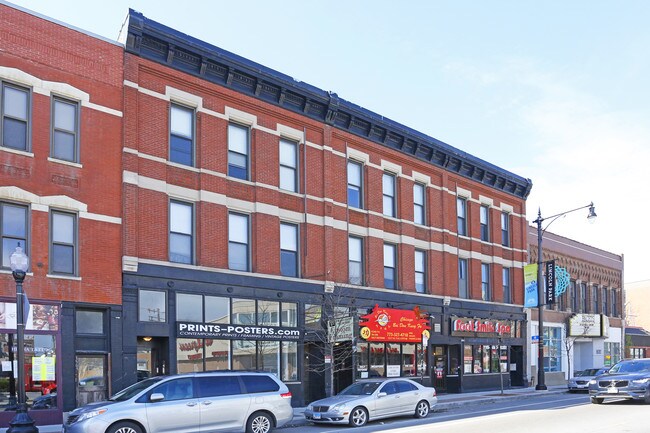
(22, 422)
(540, 387)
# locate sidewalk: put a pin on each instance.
(448, 401)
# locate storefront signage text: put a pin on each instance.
(392, 325)
(465, 326)
(236, 332)
(585, 325)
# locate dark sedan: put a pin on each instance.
(626, 380)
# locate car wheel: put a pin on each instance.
(124, 427)
(259, 422)
(596, 400)
(422, 409)
(358, 417)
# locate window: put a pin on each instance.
(505, 229)
(268, 313)
(594, 299)
(216, 309)
(13, 227)
(462, 278)
(288, 165)
(152, 306)
(461, 216)
(374, 359)
(215, 386)
(605, 300)
(289, 314)
(355, 260)
(613, 306)
(189, 308)
(583, 298)
(181, 135)
(507, 289)
(15, 117)
(238, 242)
(552, 349)
(63, 248)
(574, 296)
(420, 271)
(181, 232)
(259, 383)
(612, 353)
(89, 322)
(419, 215)
(65, 130)
(485, 223)
(238, 151)
(289, 361)
(389, 195)
(289, 250)
(390, 266)
(355, 185)
(244, 312)
(486, 294)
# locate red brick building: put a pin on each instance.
(251, 200)
(60, 196)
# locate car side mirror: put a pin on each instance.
(381, 394)
(156, 396)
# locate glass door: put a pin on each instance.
(92, 378)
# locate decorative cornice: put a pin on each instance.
(151, 40)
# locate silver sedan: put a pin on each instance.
(368, 400)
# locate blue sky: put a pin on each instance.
(555, 91)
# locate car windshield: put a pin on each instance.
(631, 367)
(588, 372)
(134, 389)
(360, 388)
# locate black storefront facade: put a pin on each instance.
(182, 320)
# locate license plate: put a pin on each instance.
(316, 416)
(612, 390)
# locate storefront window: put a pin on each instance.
(289, 361)
(217, 355)
(189, 355)
(217, 309)
(612, 353)
(552, 349)
(479, 359)
(393, 360)
(243, 355)
(485, 353)
(362, 360)
(268, 313)
(494, 359)
(89, 322)
(152, 306)
(243, 312)
(268, 358)
(467, 359)
(408, 360)
(189, 308)
(312, 316)
(377, 361)
(289, 314)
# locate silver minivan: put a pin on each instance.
(252, 402)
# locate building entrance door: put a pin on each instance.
(439, 372)
(152, 357)
(92, 378)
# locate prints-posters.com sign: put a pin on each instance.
(236, 332)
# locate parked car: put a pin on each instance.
(254, 402)
(45, 401)
(628, 379)
(368, 400)
(580, 382)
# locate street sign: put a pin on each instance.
(341, 329)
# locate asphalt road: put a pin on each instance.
(552, 413)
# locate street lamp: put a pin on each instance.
(22, 422)
(541, 385)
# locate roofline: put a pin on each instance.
(156, 42)
(61, 23)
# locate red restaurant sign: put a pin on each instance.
(394, 326)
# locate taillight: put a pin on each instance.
(286, 395)
(434, 392)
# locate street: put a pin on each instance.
(557, 412)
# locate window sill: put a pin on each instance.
(64, 162)
(16, 151)
(64, 277)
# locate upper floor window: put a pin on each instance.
(461, 215)
(238, 242)
(181, 140)
(614, 304)
(152, 306)
(463, 291)
(573, 293)
(15, 117)
(594, 299)
(485, 223)
(390, 266)
(505, 229)
(238, 145)
(486, 293)
(355, 260)
(13, 225)
(419, 215)
(507, 287)
(65, 130)
(389, 195)
(355, 184)
(289, 250)
(420, 271)
(289, 165)
(583, 298)
(181, 232)
(63, 244)
(605, 301)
